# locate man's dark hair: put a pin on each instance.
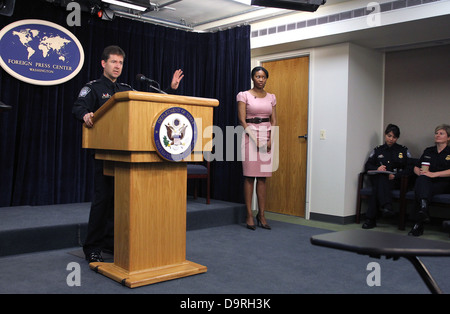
(112, 50)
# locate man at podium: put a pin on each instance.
(100, 234)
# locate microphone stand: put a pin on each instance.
(157, 89)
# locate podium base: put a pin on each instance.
(147, 276)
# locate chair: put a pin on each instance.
(365, 191)
(200, 171)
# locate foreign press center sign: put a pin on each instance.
(40, 52)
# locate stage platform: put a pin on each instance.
(26, 229)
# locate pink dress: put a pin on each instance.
(257, 163)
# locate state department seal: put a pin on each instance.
(174, 134)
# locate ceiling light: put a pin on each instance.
(126, 5)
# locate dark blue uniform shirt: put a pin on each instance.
(395, 158)
(438, 161)
(94, 94)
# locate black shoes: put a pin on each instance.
(264, 226)
(422, 218)
(94, 257)
(417, 230)
(251, 227)
(369, 224)
(260, 224)
(386, 212)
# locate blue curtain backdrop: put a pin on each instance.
(41, 159)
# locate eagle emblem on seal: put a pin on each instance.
(175, 133)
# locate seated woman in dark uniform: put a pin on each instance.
(390, 161)
(434, 178)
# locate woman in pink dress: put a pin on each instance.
(257, 114)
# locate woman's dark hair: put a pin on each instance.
(112, 50)
(394, 129)
(260, 68)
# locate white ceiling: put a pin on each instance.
(211, 15)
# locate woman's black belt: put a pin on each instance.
(257, 120)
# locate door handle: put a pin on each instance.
(304, 136)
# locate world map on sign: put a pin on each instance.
(33, 40)
(40, 52)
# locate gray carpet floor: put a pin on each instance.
(240, 261)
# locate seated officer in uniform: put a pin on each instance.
(390, 160)
(434, 179)
(100, 234)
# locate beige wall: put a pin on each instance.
(417, 94)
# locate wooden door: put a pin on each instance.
(289, 81)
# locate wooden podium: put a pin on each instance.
(150, 189)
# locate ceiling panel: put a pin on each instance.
(197, 12)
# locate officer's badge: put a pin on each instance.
(106, 96)
(400, 155)
(448, 157)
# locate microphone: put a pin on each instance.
(141, 77)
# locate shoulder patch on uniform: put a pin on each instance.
(84, 91)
